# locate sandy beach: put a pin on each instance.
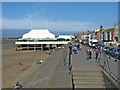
(8, 42)
(12, 72)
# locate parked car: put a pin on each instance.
(117, 53)
(106, 48)
(112, 52)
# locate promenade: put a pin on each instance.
(80, 58)
(86, 73)
(50, 74)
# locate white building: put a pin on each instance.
(38, 34)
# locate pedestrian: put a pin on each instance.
(78, 45)
(75, 49)
(116, 54)
(70, 47)
(97, 53)
(17, 86)
(88, 53)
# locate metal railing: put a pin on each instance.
(112, 78)
(67, 56)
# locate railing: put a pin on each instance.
(67, 56)
(112, 78)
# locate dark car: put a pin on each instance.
(106, 49)
(111, 52)
(117, 53)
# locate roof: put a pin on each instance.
(108, 30)
(64, 36)
(38, 33)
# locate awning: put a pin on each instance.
(61, 38)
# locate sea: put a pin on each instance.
(20, 33)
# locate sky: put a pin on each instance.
(59, 16)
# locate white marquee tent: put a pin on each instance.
(38, 33)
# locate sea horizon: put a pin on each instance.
(19, 33)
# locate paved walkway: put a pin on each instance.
(80, 58)
(51, 73)
(86, 73)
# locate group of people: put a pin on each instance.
(74, 48)
(89, 52)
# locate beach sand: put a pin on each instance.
(8, 42)
(12, 72)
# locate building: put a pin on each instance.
(109, 35)
(79, 36)
(93, 34)
(97, 34)
(116, 33)
(119, 32)
(39, 39)
(101, 34)
(84, 36)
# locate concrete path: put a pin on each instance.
(80, 58)
(51, 73)
(61, 78)
(86, 73)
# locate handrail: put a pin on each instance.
(113, 75)
(108, 63)
(67, 52)
(65, 55)
(110, 69)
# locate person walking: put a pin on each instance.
(88, 54)
(75, 49)
(70, 47)
(96, 53)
